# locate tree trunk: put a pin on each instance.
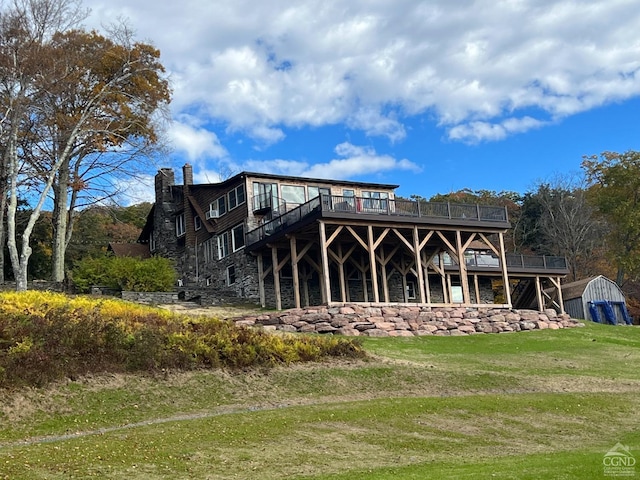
(3, 232)
(60, 218)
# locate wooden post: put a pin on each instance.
(560, 299)
(539, 294)
(464, 280)
(341, 274)
(374, 269)
(477, 288)
(443, 278)
(325, 262)
(383, 275)
(505, 274)
(417, 255)
(294, 271)
(276, 276)
(263, 299)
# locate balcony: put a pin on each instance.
(348, 207)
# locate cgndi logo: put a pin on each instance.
(619, 462)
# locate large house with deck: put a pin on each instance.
(284, 242)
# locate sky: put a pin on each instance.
(431, 95)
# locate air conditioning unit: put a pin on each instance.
(212, 214)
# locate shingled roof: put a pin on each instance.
(135, 250)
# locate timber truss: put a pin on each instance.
(403, 262)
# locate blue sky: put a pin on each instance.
(434, 96)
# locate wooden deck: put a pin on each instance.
(380, 210)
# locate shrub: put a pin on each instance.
(154, 274)
(47, 336)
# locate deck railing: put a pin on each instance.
(383, 206)
(545, 262)
(489, 260)
(378, 206)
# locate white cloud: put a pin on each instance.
(136, 190)
(195, 141)
(478, 131)
(258, 67)
(355, 161)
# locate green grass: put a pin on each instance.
(545, 404)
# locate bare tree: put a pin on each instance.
(567, 224)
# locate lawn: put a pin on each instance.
(530, 405)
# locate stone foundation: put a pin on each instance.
(408, 321)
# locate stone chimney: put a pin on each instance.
(187, 174)
(164, 180)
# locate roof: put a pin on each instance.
(271, 176)
(576, 289)
(135, 250)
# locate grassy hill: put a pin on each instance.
(542, 404)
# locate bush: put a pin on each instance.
(154, 274)
(48, 336)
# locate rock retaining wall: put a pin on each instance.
(408, 321)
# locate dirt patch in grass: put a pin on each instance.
(221, 312)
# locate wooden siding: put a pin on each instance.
(577, 295)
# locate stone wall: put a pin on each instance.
(408, 321)
(151, 298)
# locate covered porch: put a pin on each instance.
(338, 257)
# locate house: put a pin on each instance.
(285, 241)
(596, 298)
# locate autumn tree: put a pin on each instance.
(69, 98)
(99, 123)
(614, 181)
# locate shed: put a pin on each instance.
(596, 298)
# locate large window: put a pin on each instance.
(292, 193)
(223, 245)
(237, 234)
(265, 195)
(317, 191)
(209, 249)
(375, 200)
(236, 197)
(180, 230)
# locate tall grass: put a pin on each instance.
(47, 336)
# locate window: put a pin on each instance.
(197, 223)
(265, 196)
(237, 234)
(152, 242)
(375, 200)
(317, 191)
(209, 281)
(236, 197)
(180, 230)
(209, 249)
(221, 205)
(411, 290)
(231, 274)
(293, 193)
(223, 245)
(349, 202)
